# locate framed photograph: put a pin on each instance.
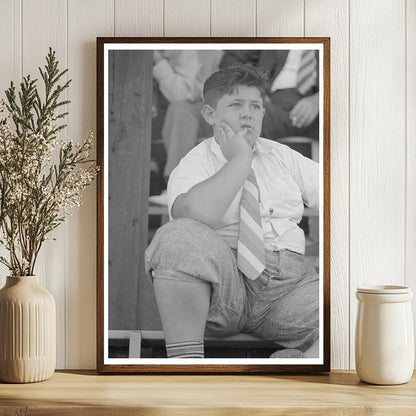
(213, 205)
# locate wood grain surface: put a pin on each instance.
(85, 18)
(377, 143)
(51, 264)
(410, 260)
(84, 392)
(130, 89)
(326, 17)
(233, 18)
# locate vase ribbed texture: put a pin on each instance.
(27, 331)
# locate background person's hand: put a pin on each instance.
(305, 111)
(233, 144)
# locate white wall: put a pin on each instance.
(373, 132)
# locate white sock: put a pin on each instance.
(189, 349)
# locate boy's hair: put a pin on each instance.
(227, 80)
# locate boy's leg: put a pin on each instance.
(183, 309)
(196, 281)
(286, 310)
(313, 350)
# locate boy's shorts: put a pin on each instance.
(281, 305)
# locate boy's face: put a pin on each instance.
(241, 109)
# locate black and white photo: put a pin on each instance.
(213, 205)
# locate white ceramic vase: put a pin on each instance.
(27, 331)
(384, 339)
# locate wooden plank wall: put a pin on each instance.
(410, 151)
(373, 132)
(130, 90)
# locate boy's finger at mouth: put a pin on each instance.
(244, 131)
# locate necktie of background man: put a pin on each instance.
(307, 73)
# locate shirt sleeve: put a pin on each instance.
(305, 173)
(177, 77)
(192, 169)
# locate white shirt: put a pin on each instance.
(286, 181)
(288, 76)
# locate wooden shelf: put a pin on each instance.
(87, 393)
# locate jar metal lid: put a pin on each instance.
(384, 289)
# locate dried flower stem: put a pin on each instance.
(36, 194)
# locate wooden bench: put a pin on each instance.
(136, 338)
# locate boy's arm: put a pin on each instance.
(306, 174)
(208, 201)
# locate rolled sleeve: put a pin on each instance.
(306, 175)
(191, 170)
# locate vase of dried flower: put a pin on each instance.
(27, 331)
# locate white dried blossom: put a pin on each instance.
(42, 176)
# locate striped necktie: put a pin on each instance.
(250, 249)
(307, 73)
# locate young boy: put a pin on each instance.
(231, 260)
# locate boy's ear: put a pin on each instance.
(208, 114)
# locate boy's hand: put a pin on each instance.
(233, 144)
